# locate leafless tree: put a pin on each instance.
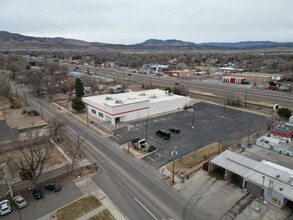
(32, 154)
(75, 149)
(70, 84)
(5, 89)
(56, 128)
(233, 99)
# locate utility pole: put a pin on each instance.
(41, 110)
(174, 154)
(249, 130)
(127, 139)
(16, 91)
(224, 110)
(146, 130)
(68, 106)
(187, 88)
(25, 98)
(87, 182)
(219, 148)
(150, 82)
(245, 98)
(87, 117)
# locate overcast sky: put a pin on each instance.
(134, 21)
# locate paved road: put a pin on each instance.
(132, 185)
(208, 124)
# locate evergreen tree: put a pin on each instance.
(79, 88)
(77, 104)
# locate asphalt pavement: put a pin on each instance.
(50, 202)
(208, 124)
(136, 187)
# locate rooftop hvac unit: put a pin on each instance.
(142, 94)
(118, 102)
(153, 96)
(109, 98)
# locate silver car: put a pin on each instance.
(19, 201)
(4, 207)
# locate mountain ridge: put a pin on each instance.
(9, 41)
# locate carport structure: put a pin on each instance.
(273, 184)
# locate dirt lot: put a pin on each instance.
(16, 119)
(196, 159)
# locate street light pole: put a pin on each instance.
(193, 120)
(174, 154)
(146, 130)
(41, 110)
(224, 110)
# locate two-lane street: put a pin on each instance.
(137, 191)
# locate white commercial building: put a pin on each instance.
(130, 106)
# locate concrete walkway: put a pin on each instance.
(88, 186)
(92, 213)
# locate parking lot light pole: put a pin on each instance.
(146, 130)
(193, 107)
(174, 154)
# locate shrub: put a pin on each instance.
(151, 148)
(284, 112)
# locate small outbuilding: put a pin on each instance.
(273, 183)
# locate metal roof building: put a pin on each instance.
(275, 185)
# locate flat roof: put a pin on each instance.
(283, 129)
(254, 171)
(153, 95)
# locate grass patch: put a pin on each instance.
(78, 208)
(103, 215)
(4, 103)
(193, 161)
(21, 130)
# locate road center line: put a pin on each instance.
(154, 217)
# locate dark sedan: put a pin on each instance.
(37, 193)
(55, 187)
(174, 130)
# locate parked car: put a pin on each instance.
(5, 207)
(37, 193)
(19, 201)
(177, 84)
(163, 134)
(175, 130)
(55, 187)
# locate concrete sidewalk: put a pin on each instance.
(87, 186)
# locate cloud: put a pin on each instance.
(132, 21)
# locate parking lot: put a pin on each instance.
(208, 122)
